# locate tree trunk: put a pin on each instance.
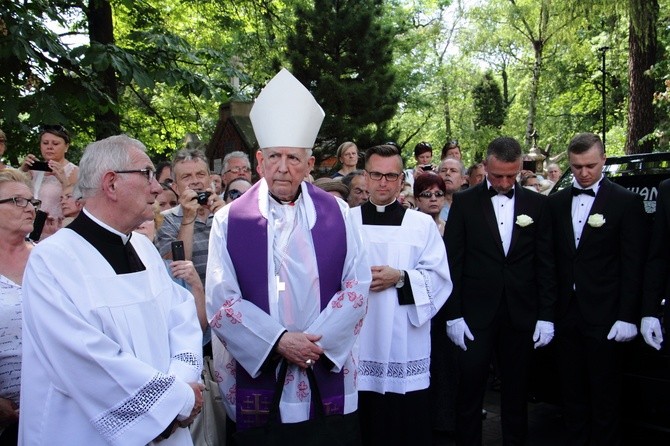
(534, 88)
(641, 56)
(101, 30)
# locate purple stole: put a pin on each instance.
(247, 244)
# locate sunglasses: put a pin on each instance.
(234, 194)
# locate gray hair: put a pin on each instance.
(236, 154)
(461, 166)
(189, 155)
(11, 175)
(113, 153)
(346, 180)
(307, 151)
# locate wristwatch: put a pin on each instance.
(401, 281)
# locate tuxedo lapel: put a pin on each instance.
(598, 207)
(489, 214)
(520, 208)
(565, 216)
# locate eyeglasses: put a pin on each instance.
(238, 170)
(428, 194)
(150, 174)
(23, 202)
(234, 194)
(391, 176)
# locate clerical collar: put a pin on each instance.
(124, 237)
(282, 202)
(391, 215)
(381, 208)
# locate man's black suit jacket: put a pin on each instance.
(657, 273)
(481, 273)
(606, 268)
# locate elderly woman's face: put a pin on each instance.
(53, 147)
(430, 201)
(16, 220)
(350, 156)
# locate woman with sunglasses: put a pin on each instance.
(17, 213)
(429, 193)
(51, 178)
(235, 189)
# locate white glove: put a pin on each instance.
(458, 330)
(650, 328)
(544, 333)
(622, 331)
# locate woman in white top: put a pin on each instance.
(17, 213)
(48, 185)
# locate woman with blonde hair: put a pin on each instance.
(17, 213)
(347, 155)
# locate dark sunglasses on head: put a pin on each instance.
(52, 127)
(234, 194)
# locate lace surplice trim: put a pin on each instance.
(394, 369)
(191, 359)
(116, 420)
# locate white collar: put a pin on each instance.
(124, 237)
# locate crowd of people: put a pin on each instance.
(392, 289)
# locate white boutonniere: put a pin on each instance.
(523, 220)
(596, 220)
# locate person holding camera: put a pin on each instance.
(423, 154)
(191, 220)
(52, 175)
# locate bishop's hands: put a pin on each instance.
(543, 334)
(300, 348)
(458, 330)
(650, 329)
(622, 331)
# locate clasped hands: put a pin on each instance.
(300, 348)
(186, 422)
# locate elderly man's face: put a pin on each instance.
(553, 173)
(358, 193)
(284, 168)
(451, 173)
(236, 168)
(191, 174)
(136, 193)
(477, 176)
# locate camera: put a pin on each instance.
(202, 197)
(427, 167)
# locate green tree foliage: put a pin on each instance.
(343, 53)
(488, 103)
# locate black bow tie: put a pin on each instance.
(508, 194)
(577, 191)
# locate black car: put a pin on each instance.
(646, 392)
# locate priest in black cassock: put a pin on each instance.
(111, 345)
(410, 282)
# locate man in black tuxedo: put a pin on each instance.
(599, 245)
(497, 240)
(656, 279)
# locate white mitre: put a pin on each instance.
(286, 114)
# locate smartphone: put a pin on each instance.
(178, 250)
(40, 165)
(427, 167)
(38, 225)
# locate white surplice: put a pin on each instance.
(249, 333)
(395, 339)
(107, 358)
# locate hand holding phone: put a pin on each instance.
(40, 165)
(178, 250)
